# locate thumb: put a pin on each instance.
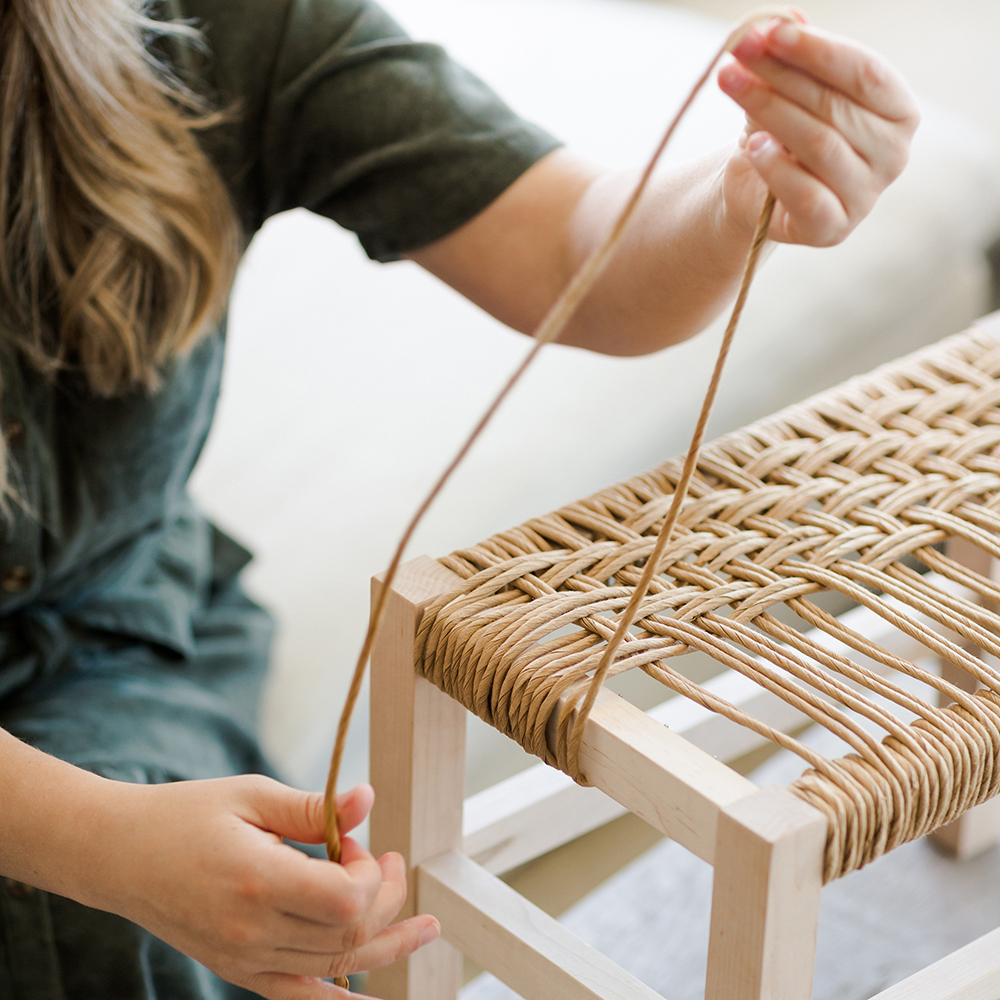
(298, 815)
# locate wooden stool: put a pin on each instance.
(841, 492)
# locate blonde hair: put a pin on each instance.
(118, 240)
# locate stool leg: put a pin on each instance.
(765, 899)
(978, 829)
(418, 770)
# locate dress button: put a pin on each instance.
(19, 890)
(14, 579)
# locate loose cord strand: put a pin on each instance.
(548, 331)
(680, 492)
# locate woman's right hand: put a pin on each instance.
(202, 865)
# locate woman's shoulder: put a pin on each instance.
(240, 38)
(257, 25)
(247, 46)
(259, 61)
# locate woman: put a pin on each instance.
(129, 657)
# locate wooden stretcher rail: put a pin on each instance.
(521, 945)
(658, 775)
(971, 973)
(541, 808)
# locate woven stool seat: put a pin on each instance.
(855, 491)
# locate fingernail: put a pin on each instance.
(751, 45)
(761, 144)
(393, 859)
(430, 933)
(786, 34)
(734, 78)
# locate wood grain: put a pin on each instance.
(418, 767)
(522, 946)
(765, 900)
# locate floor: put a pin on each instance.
(877, 926)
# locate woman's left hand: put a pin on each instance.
(829, 125)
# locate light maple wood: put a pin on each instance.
(977, 830)
(418, 767)
(765, 899)
(766, 845)
(657, 774)
(541, 809)
(529, 815)
(522, 946)
(972, 834)
(971, 973)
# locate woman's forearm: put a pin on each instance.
(51, 814)
(830, 128)
(678, 263)
(203, 865)
(676, 266)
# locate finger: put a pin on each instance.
(850, 68)
(392, 944)
(333, 894)
(880, 142)
(822, 150)
(807, 210)
(285, 811)
(296, 934)
(857, 124)
(354, 806)
(298, 815)
(389, 946)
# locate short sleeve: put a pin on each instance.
(336, 110)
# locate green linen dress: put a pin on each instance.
(126, 644)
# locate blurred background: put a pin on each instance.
(349, 384)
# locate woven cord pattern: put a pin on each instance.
(847, 492)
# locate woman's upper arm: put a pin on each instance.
(337, 110)
(516, 255)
